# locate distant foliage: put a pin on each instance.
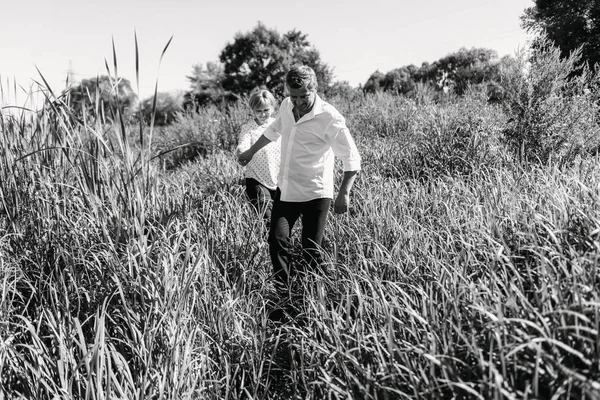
(569, 24)
(166, 109)
(206, 81)
(553, 112)
(374, 83)
(342, 90)
(452, 73)
(259, 58)
(397, 81)
(458, 70)
(103, 96)
(400, 80)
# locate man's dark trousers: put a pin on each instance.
(283, 217)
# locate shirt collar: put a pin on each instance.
(317, 109)
(319, 106)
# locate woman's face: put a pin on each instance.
(262, 113)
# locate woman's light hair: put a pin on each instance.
(301, 76)
(262, 98)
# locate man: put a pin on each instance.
(312, 132)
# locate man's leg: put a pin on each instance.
(314, 218)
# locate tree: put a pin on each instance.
(398, 81)
(374, 83)
(207, 86)
(261, 58)
(342, 90)
(570, 24)
(455, 71)
(103, 96)
(466, 66)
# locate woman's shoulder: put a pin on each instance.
(248, 125)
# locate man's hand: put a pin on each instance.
(245, 157)
(342, 201)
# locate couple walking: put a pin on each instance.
(290, 159)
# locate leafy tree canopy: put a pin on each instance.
(206, 85)
(256, 59)
(399, 80)
(343, 90)
(570, 24)
(373, 84)
(466, 66)
(454, 71)
(261, 58)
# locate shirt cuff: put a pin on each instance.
(271, 135)
(351, 165)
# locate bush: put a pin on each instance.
(553, 111)
(200, 133)
(399, 137)
(456, 139)
(167, 107)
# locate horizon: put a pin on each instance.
(354, 38)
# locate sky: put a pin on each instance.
(354, 37)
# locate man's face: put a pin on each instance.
(303, 99)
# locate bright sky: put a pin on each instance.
(356, 37)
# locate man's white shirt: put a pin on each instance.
(308, 149)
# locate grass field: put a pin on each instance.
(467, 267)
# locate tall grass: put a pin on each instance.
(457, 274)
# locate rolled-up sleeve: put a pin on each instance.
(344, 148)
(273, 131)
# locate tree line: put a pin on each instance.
(260, 58)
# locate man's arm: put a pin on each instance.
(342, 200)
(245, 157)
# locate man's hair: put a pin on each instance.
(261, 98)
(301, 76)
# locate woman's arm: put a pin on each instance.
(244, 139)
